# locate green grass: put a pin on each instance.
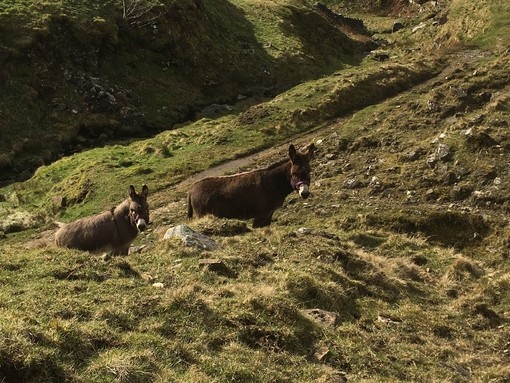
(413, 303)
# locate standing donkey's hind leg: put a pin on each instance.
(263, 220)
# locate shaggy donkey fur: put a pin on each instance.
(113, 230)
(256, 194)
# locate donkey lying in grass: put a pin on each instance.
(111, 230)
(256, 194)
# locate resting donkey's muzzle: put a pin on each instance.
(141, 224)
(302, 188)
(138, 222)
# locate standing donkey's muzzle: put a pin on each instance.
(302, 188)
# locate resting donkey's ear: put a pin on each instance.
(145, 191)
(132, 192)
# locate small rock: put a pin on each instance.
(418, 27)
(210, 261)
(327, 318)
(352, 183)
(460, 93)
(443, 151)
(304, 231)
(389, 320)
(320, 354)
(412, 155)
(158, 285)
(431, 194)
(432, 160)
(397, 26)
(191, 238)
(146, 277)
(136, 249)
(380, 55)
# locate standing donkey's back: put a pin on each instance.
(114, 229)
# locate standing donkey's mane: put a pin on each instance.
(113, 229)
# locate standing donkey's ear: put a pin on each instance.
(145, 191)
(132, 192)
(292, 153)
(310, 151)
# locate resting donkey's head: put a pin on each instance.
(139, 208)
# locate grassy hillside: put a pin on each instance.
(394, 270)
(77, 74)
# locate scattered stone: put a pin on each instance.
(380, 55)
(326, 318)
(213, 264)
(397, 26)
(136, 249)
(16, 221)
(321, 354)
(461, 93)
(432, 160)
(210, 262)
(304, 231)
(411, 155)
(418, 27)
(352, 183)
(431, 195)
(388, 320)
(146, 277)
(443, 152)
(191, 238)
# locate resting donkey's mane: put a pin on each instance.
(113, 229)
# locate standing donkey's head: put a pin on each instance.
(139, 208)
(300, 169)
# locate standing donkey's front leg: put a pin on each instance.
(122, 250)
(263, 220)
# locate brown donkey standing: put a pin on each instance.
(256, 194)
(113, 230)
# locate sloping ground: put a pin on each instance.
(79, 74)
(395, 270)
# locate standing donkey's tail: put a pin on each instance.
(190, 208)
